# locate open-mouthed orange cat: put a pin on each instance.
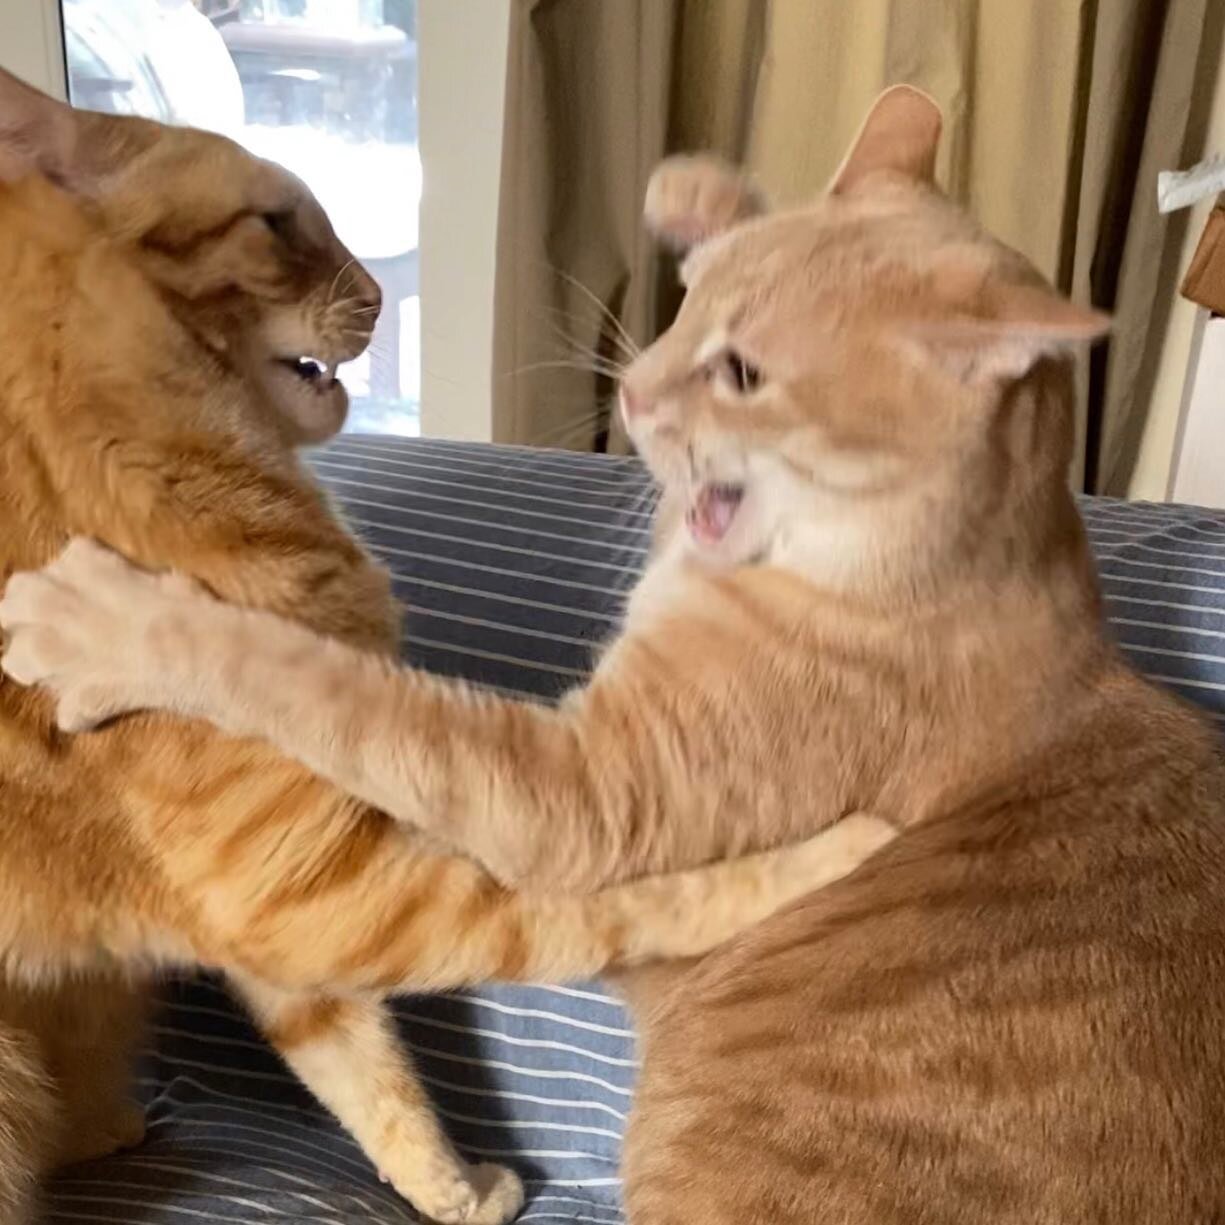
(172, 316)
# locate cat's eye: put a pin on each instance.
(280, 223)
(742, 375)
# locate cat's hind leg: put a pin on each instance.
(28, 1125)
(345, 1050)
(89, 1028)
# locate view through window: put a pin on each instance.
(328, 88)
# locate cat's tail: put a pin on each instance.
(27, 1126)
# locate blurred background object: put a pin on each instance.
(324, 87)
(158, 58)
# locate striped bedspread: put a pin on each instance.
(515, 564)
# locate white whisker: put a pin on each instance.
(608, 366)
(564, 428)
(589, 367)
(336, 279)
(605, 313)
(620, 350)
(621, 357)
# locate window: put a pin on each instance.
(328, 88)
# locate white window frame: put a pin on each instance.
(461, 83)
(462, 49)
(32, 43)
(1197, 474)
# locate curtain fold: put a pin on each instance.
(1058, 113)
(589, 88)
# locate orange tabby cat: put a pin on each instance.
(160, 287)
(881, 599)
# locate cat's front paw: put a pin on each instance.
(499, 1195)
(691, 198)
(836, 851)
(80, 627)
(489, 1195)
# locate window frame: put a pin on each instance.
(32, 36)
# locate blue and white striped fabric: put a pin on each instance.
(515, 564)
(1162, 570)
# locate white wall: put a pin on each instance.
(1199, 460)
(1153, 476)
(461, 82)
(31, 44)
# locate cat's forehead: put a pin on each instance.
(202, 181)
(753, 251)
(205, 154)
(831, 251)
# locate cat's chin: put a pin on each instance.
(310, 399)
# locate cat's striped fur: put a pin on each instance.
(883, 600)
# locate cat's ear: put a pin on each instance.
(693, 198)
(901, 133)
(38, 135)
(78, 150)
(1012, 327)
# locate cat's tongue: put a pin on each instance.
(711, 512)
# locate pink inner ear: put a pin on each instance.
(901, 133)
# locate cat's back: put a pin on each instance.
(1015, 1013)
(64, 835)
(108, 431)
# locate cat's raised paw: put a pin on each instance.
(692, 198)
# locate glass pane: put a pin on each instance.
(327, 88)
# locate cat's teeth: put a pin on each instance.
(314, 371)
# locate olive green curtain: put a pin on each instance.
(1059, 114)
(587, 103)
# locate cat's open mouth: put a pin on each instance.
(713, 510)
(308, 395)
(311, 370)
